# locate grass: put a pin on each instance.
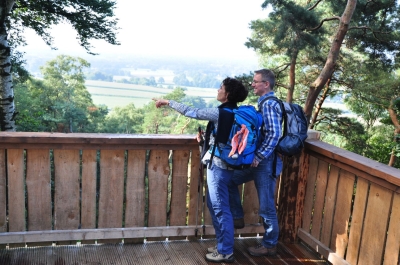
(114, 94)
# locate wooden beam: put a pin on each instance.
(116, 233)
(320, 248)
(364, 164)
(95, 138)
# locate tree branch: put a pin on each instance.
(315, 5)
(322, 22)
(365, 28)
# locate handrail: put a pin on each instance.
(355, 161)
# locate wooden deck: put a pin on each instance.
(156, 252)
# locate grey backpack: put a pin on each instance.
(295, 126)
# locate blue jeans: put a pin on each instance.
(265, 183)
(218, 205)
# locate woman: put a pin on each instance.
(219, 174)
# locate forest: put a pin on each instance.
(319, 50)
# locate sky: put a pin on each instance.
(186, 28)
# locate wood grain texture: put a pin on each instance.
(341, 217)
(89, 184)
(158, 171)
(357, 220)
(38, 187)
(250, 203)
(364, 164)
(375, 225)
(392, 247)
(3, 193)
(179, 181)
(67, 193)
(194, 206)
(16, 190)
(135, 189)
(309, 196)
(320, 189)
(111, 188)
(330, 200)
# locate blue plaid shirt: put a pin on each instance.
(272, 130)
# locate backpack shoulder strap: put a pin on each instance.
(226, 116)
(284, 115)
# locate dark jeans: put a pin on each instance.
(218, 180)
(265, 183)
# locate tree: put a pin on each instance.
(379, 90)
(59, 101)
(161, 80)
(91, 20)
(30, 109)
(365, 26)
(288, 21)
(126, 119)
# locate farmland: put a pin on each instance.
(114, 94)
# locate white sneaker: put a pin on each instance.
(217, 257)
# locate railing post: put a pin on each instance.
(291, 193)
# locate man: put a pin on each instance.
(264, 168)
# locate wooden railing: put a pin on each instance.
(63, 188)
(69, 188)
(345, 206)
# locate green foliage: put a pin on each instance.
(298, 35)
(99, 76)
(177, 94)
(197, 102)
(29, 108)
(126, 119)
(90, 19)
(367, 111)
(380, 143)
(59, 102)
(20, 74)
(167, 121)
(353, 139)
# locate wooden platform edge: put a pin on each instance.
(320, 248)
(116, 233)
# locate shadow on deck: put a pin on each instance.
(156, 252)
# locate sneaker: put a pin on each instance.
(260, 250)
(238, 223)
(212, 249)
(217, 257)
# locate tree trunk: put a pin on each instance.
(292, 76)
(319, 83)
(7, 107)
(319, 105)
(396, 123)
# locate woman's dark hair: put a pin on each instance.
(237, 92)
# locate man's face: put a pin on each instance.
(260, 86)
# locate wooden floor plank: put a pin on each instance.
(185, 252)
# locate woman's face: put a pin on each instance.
(222, 96)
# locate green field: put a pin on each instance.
(114, 94)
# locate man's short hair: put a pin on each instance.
(267, 75)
